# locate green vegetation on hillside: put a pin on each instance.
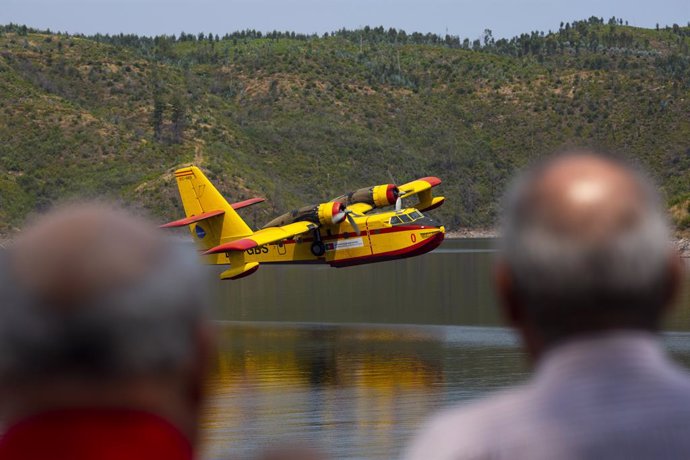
(300, 119)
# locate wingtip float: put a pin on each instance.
(351, 229)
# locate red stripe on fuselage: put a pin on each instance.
(422, 247)
(378, 231)
(416, 249)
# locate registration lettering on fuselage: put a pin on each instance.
(257, 250)
(344, 244)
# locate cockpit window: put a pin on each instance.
(406, 218)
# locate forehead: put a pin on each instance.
(584, 179)
(580, 167)
(586, 196)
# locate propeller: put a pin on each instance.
(395, 196)
(396, 192)
(341, 213)
(351, 220)
(400, 195)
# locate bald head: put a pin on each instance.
(586, 197)
(586, 246)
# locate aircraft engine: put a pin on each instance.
(331, 213)
(378, 196)
(385, 195)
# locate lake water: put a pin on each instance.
(353, 360)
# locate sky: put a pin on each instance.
(465, 18)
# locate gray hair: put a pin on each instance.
(570, 284)
(145, 327)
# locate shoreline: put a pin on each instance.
(682, 243)
(471, 233)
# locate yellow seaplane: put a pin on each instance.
(348, 230)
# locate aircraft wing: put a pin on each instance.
(418, 186)
(264, 236)
(360, 208)
(422, 188)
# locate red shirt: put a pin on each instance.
(89, 434)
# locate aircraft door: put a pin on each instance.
(368, 238)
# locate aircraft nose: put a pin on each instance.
(428, 222)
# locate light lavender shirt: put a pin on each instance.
(616, 396)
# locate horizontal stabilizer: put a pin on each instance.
(245, 203)
(192, 219)
(239, 245)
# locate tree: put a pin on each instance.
(179, 120)
(488, 37)
(157, 117)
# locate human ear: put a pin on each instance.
(514, 311)
(675, 270)
(505, 291)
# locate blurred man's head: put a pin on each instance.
(99, 310)
(586, 248)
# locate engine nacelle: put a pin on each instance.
(331, 213)
(385, 195)
(378, 196)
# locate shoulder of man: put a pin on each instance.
(469, 430)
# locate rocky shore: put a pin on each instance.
(472, 233)
(683, 245)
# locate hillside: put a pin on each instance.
(300, 119)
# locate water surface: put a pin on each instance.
(354, 360)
